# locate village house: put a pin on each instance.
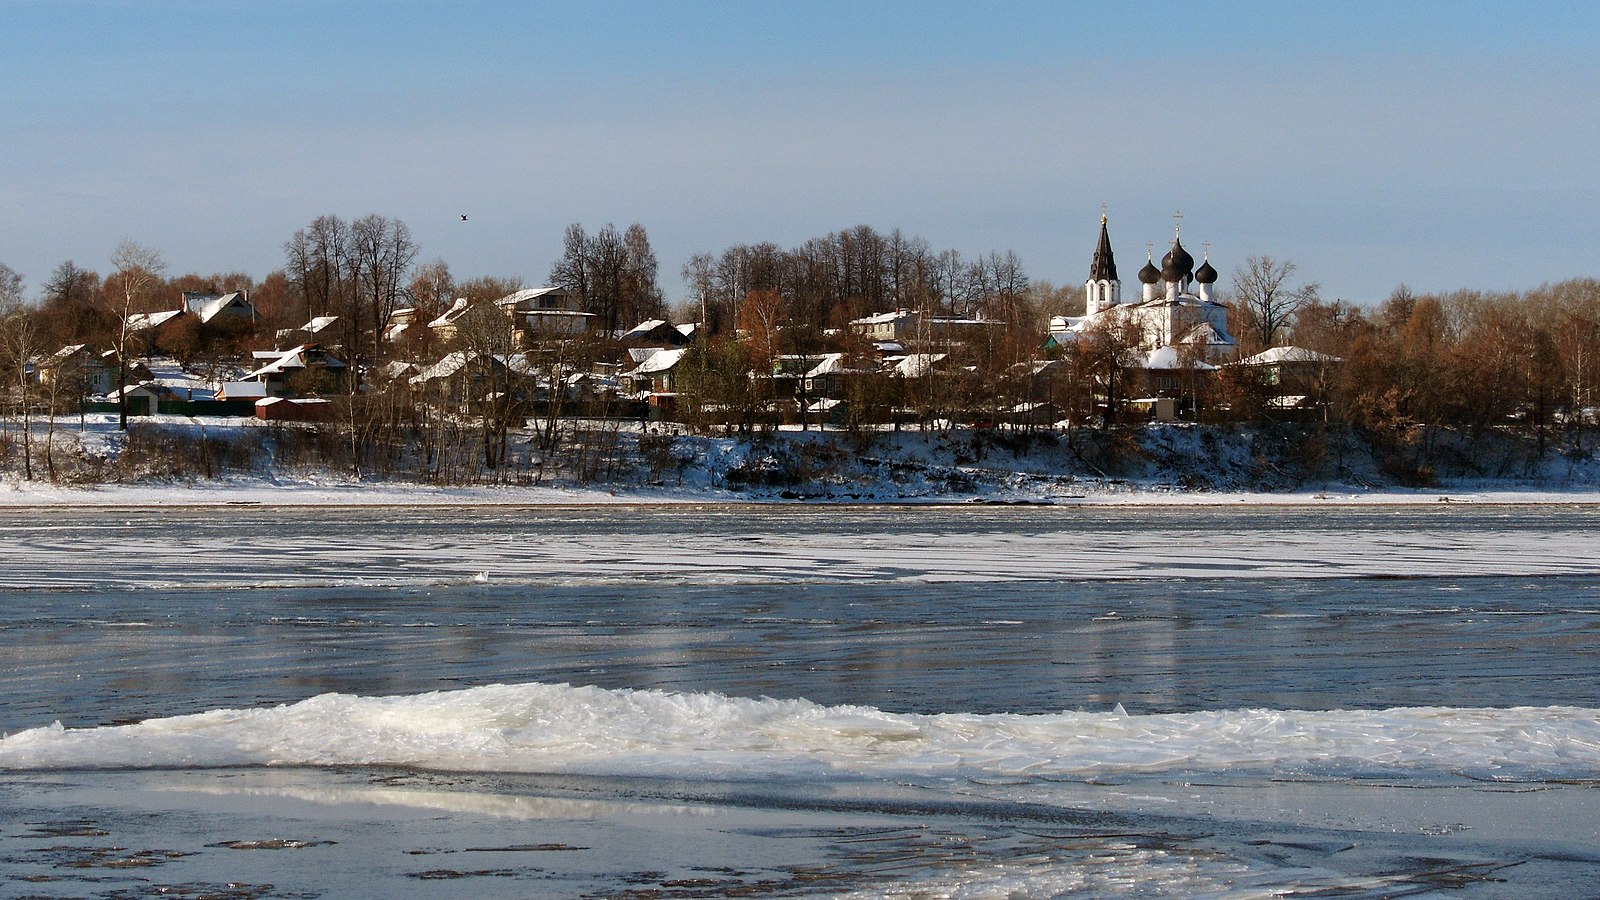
(307, 368)
(401, 323)
(447, 323)
(145, 397)
(657, 333)
(832, 375)
(464, 378)
(147, 331)
(78, 369)
(657, 372)
(893, 332)
(1297, 382)
(545, 312)
(1166, 383)
(320, 329)
(534, 315)
(234, 306)
(294, 409)
(898, 326)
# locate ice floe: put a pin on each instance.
(541, 727)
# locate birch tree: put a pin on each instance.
(136, 279)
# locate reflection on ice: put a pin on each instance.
(560, 728)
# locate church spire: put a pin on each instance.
(1104, 267)
(1103, 289)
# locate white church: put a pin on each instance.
(1176, 310)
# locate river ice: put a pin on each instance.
(924, 702)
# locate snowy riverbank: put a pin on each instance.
(331, 492)
(1153, 465)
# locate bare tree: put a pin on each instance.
(316, 262)
(381, 253)
(71, 309)
(19, 337)
(1108, 353)
(612, 273)
(432, 289)
(1265, 299)
(489, 336)
(136, 279)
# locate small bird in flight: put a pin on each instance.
(463, 217)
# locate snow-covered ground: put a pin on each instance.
(1159, 465)
(331, 490)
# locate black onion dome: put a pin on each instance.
(1149, 274)
(1177, 264)
(1205, 274)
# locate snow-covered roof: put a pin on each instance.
(915, 365)
(452, 363)
(1063, 324)
(1206, 334)
(293, 401)
(884, 318)
(1280, 355)
(147, 388)
(526, 294)
(456, 311)
(396, 368)
(320, 323)
(950, 322)
(234, 300)
(660, 361)
(1165, 359)
(643, 328)
(65, 353)
(297, 358)
(558, 313)
(142, 321)
(518, 363)
(640, 354)
(833, 364)
(243, 390)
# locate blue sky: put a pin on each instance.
(1445, 145)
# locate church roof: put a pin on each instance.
(1104, 267)
(1205, 274)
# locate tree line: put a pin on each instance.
(1409, 369)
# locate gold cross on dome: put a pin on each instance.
(1177, 220)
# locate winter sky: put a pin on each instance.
(1445, 145)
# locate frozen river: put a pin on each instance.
(678, 701)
